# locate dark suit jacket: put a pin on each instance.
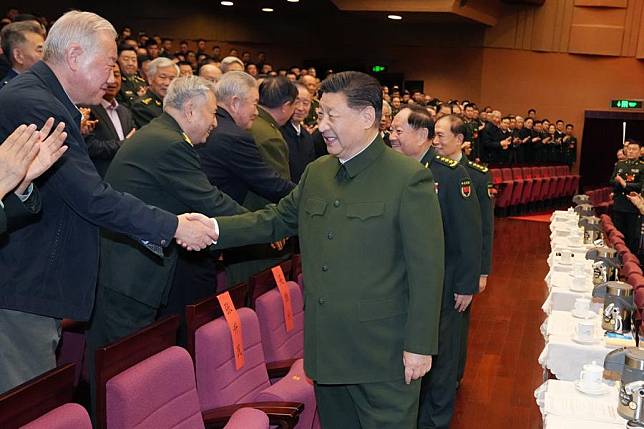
(161, 167)
(104, 142)
(7, 77)
(490, 146)
(232, 162)
(50, 267)
(15, 212)
(301, 151)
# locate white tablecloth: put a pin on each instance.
(563, 407)
(560, 299)
(562, 355)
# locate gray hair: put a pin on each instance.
(386, 108)
(159, 63)
(75, 27)
(226, 62)
(186, 88)
(234, 83)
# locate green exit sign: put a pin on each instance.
(378, 69)
(626, 104)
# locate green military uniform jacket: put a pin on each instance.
(632, 171)
(130, 87)
(146, 108)
(461, 226)
(372, 256)
(160, 166)
(482, 180)
(273, 149)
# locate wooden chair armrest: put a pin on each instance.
(284, 414)
(280, 368)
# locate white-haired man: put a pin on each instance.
(231, 63)
(49, 267)
(160, 73)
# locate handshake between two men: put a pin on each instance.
(196, 232)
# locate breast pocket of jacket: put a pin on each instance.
(315, 207)
(365, 211)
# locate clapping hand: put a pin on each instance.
(16, 154)
(195, 231)
(51, 149)
(416, 365)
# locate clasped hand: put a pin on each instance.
(195, 231)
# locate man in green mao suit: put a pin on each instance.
(372, 254)
(159, 165)
(412, 134)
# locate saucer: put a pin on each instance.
(588, 314)
(587, 342)
(595, 390)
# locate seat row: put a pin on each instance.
(521, 189)
(631, 270)
(601, 199)
(146, 381)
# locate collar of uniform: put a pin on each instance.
(172, 124)
(364, 159)
(223, 113)
(154, 96)
(47, 75)
(262, 113)
(429, 155)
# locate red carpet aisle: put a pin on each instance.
(537, 217)
(505, 342)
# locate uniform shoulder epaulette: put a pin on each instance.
(479, 167)
(146, 100)
(446, 161)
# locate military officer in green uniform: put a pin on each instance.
(276, 106)
(372, 253)
(160, 166)
(482, 181)
(628, 177)
(161, 72)
(133, 86)
(412, 135)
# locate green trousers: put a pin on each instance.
(383, 405)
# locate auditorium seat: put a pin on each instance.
(71, 348)
(629, 257)
(220, 384)
(160, 393)
(518, 174)
(537, 184)
(505, 188)
(549, 184)
(629, 268)
(44, 402)
(278, 344)
(518, 186)
(263, 281)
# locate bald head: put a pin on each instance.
(210, 72)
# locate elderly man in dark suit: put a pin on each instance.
(301, 150)
(56, 275)
(114, 125)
